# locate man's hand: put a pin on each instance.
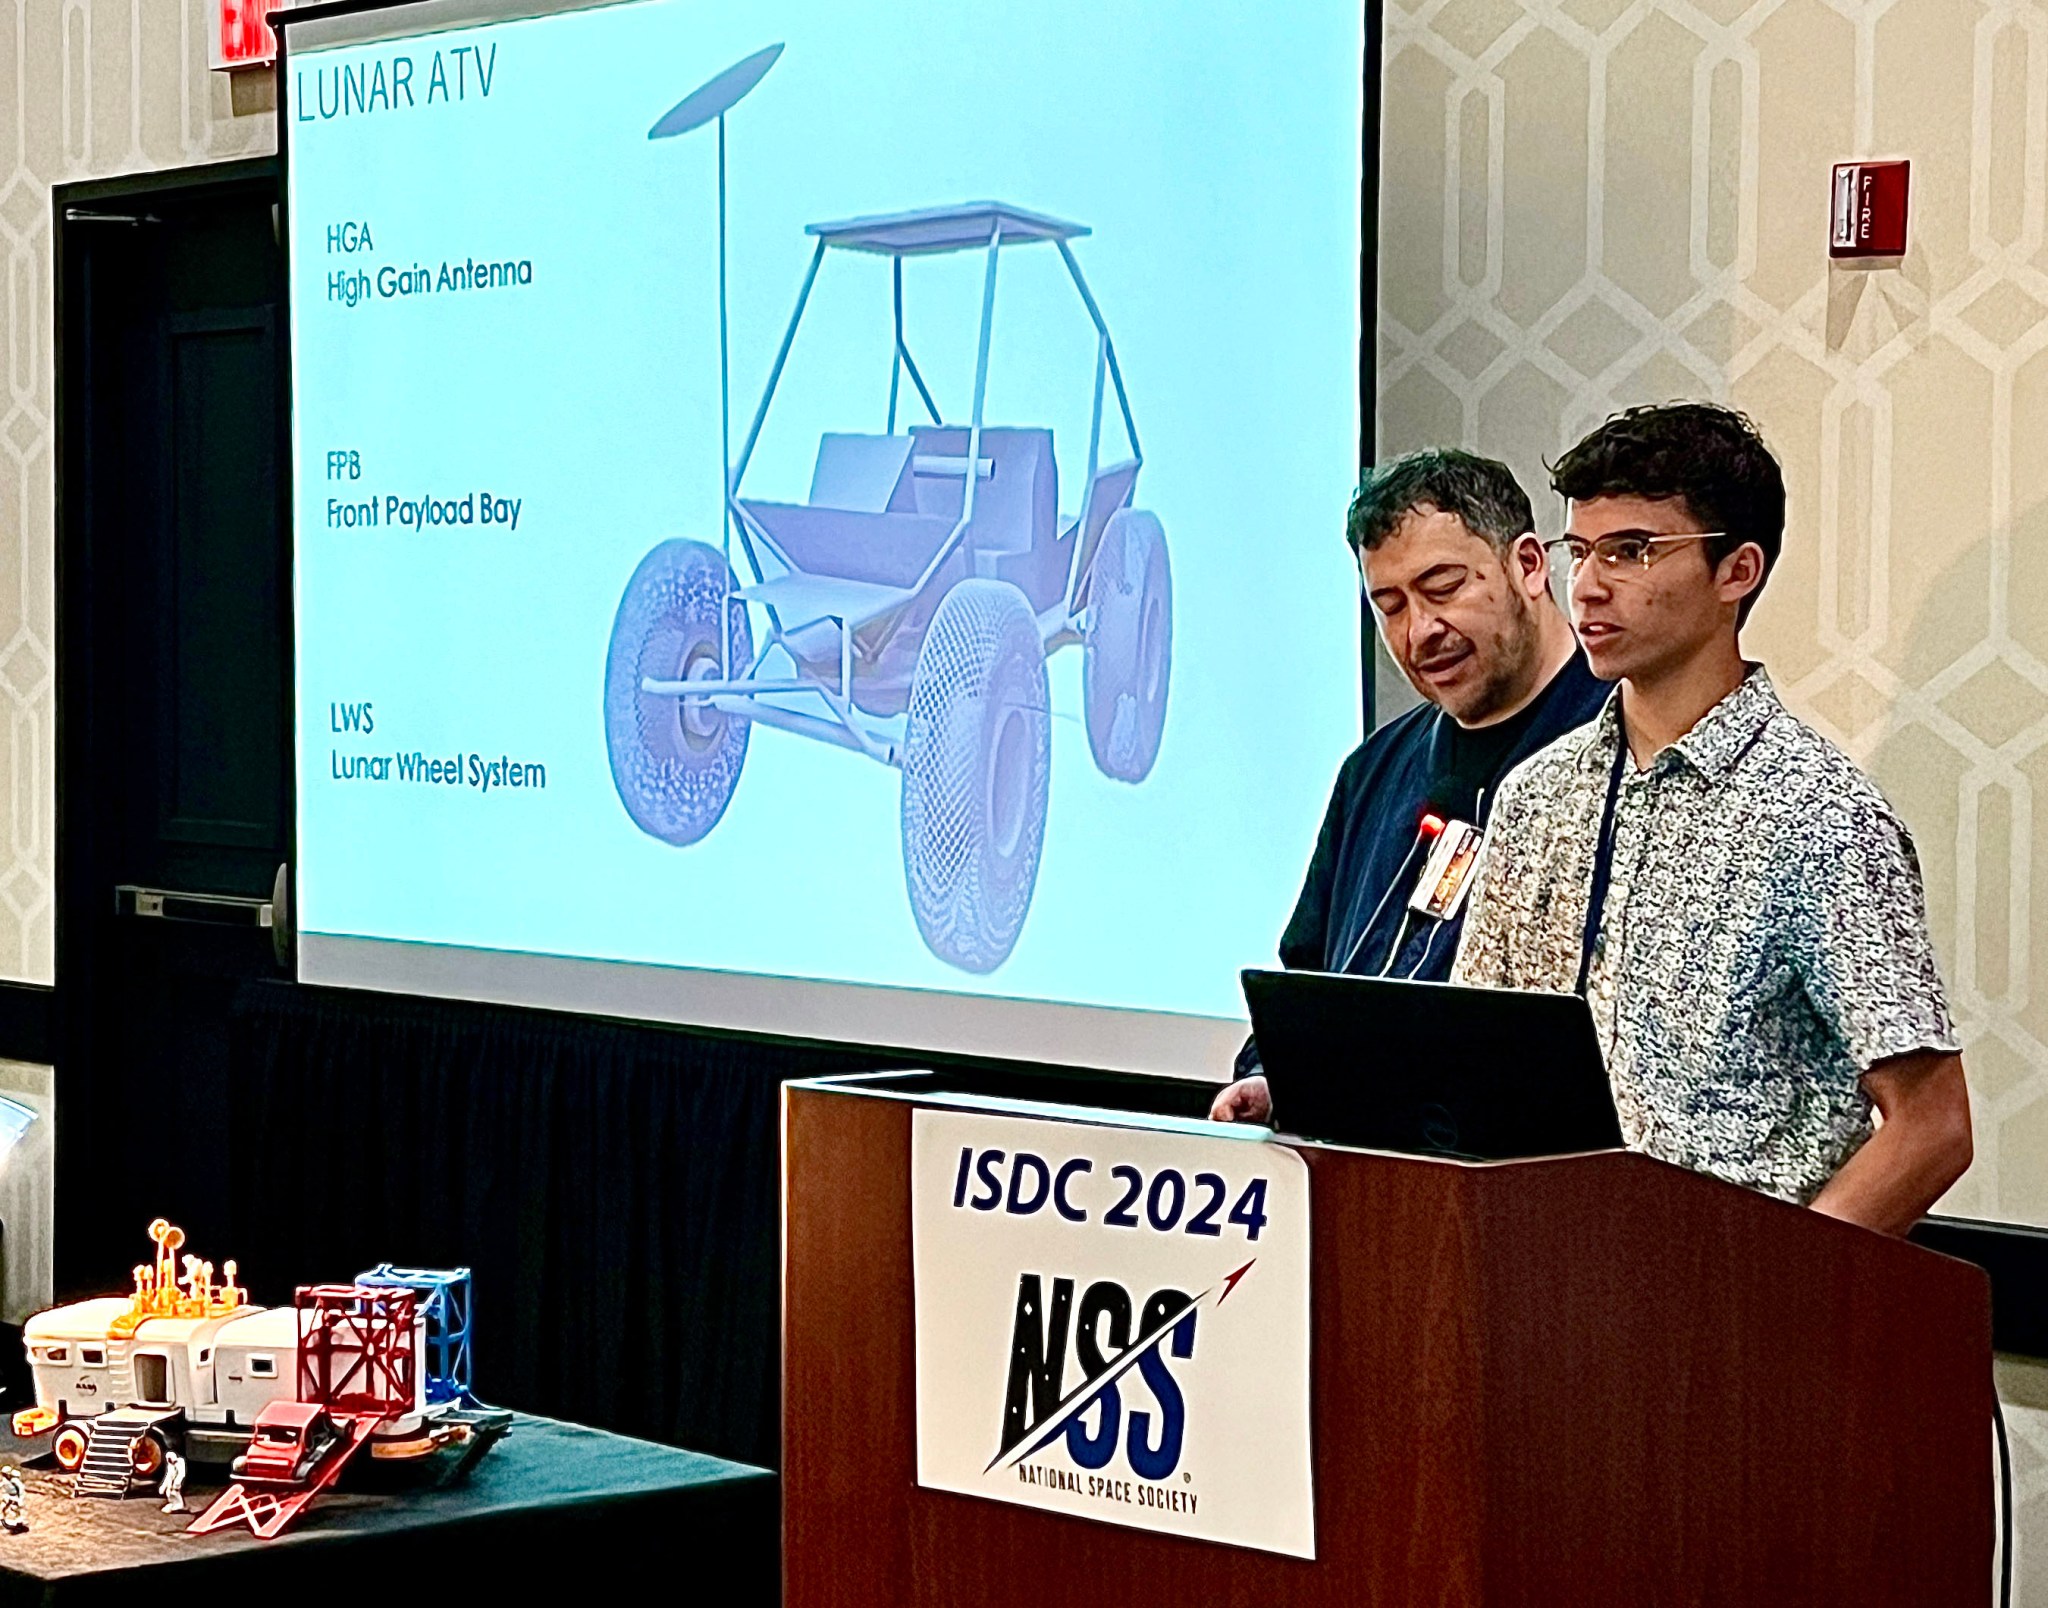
(1246, 1100)
(1920, 1148)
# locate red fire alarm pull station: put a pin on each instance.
(1869, 217)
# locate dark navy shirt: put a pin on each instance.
(1366, 862)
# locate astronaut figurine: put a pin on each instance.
(173, 1488)
(13, 1501)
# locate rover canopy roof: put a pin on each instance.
(929, 230)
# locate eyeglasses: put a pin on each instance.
(1623, 551)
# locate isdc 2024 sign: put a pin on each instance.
(1112, 1322)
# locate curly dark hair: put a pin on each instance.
(1710, 458)
(1481, 492)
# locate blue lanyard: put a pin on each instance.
(1603, 863)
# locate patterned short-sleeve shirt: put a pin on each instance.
(1764, 941)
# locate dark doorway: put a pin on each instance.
(173, 777)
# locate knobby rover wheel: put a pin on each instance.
(977, 761)
(1127, 652)
(675, 762)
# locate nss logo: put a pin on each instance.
(1113, 1337)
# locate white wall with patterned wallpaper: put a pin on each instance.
(88, 89)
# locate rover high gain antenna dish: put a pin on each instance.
(715, 97)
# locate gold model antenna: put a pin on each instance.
(161, 1293)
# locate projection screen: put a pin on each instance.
(820, 519)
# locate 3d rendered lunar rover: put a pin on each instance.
(909, 603)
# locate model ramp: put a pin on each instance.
(267, 1512)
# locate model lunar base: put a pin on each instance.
(286, 1397)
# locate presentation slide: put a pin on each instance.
(824, 518)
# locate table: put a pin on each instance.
(552, 1508)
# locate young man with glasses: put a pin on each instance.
(1736, 900)
(1460, 586)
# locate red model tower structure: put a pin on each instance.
(356, 1350)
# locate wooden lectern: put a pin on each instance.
(1591, 1379)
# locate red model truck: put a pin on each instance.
(291, 1440)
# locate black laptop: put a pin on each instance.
(1431, 1068)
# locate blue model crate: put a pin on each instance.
(444, 1300)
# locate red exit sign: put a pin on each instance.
(241, 33)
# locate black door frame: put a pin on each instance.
(51, 1024)
(102, 204)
